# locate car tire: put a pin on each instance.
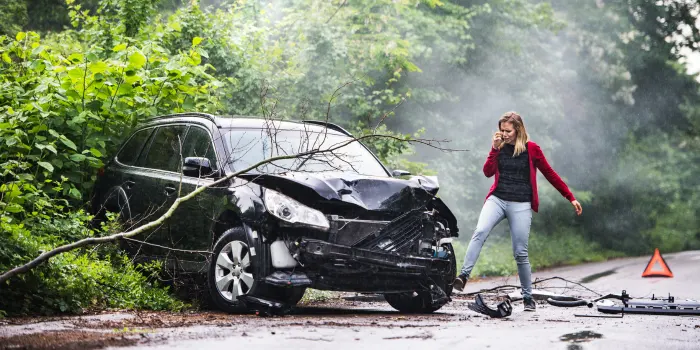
(232, 272)
(420, 301)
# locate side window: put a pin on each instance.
(131, 150)
(198, 144)
(164, 153)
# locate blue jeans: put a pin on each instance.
(519, 215)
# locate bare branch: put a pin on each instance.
(381, 121)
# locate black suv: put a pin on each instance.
(333, 220)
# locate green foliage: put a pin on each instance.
(66, 106)
(13, 16)
(317, 296)
(76, 281)
(66, 102)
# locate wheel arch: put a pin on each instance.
(116, 201)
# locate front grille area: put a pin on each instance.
(397, 236)
(350, 233)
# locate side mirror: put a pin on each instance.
(397, 173)
(197, 167)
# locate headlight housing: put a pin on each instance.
(291, 211)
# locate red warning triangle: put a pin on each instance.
(657, 266)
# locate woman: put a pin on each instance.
(513, 159)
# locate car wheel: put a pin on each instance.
(232, 271)
(421, 301)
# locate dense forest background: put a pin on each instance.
(602, 86)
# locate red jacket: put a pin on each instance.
(537, 161)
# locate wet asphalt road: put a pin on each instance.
(365, 322)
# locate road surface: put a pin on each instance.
(366, 322)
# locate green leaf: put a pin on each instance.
(46, 166)
(25, 177)
(137, 59)
(69, 143)
(52, 149)
(76, 73)
(14, 208)
(57, 162)
(77, 157)
(120, 47)
(76, 57)
(95, 152)
(196, 41)
(98, 67)
(75, 193)
(20, 36)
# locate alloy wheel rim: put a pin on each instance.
(232, 271)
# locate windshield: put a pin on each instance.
(250, 146)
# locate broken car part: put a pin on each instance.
(281, 258)
(654, 306)
(264, 307)
(574, 302)
(600, 316)
(503, 309)
(284, 279)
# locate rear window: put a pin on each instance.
(165, 150)
(131, 150)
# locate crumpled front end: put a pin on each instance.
(374, 255)
(382, 235)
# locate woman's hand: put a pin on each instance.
(497, 140)
(577, 207)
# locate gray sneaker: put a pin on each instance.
(459, 282)
(529, 304)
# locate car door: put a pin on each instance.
(192, 220)
(118, 190)
(162, 162)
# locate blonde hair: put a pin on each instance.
(521, 134)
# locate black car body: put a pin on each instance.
(333, 221)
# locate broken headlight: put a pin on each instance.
(291, 211)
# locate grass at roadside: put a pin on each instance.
(317, 296)
(496, 258)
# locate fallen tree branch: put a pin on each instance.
(168, 248)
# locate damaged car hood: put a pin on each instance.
(368, 192)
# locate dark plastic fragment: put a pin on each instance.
(264, 307)
(503, 309)
(284, 279)
(438, 296)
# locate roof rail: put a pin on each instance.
(188, 114)
(328, 125)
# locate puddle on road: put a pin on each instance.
(580, 337)
(598, 275)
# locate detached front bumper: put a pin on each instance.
(320, 252)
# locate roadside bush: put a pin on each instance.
(73, 282)
(66, 102)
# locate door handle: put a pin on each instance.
(129, 184)
(169, 190)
